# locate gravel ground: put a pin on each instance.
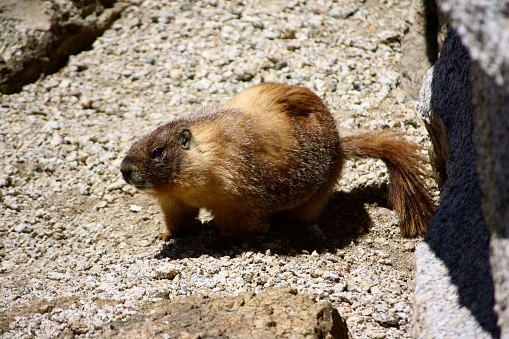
(74, 234)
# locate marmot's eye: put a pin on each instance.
(157, 152)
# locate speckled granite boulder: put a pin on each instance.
(463, 264)
(37, 37)
(273, 313)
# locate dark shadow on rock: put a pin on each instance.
(431, 27)
(457, 233)
(344, 220)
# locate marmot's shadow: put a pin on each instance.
(343, 220)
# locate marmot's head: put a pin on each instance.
(154, 162)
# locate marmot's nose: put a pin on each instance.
(126, 167)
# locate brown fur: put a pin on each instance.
(272, 148)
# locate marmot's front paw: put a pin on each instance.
(166, 236)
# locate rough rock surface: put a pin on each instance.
(483, 29)
(485, 32)
(466, 95)
(273, 313)
(36, 37)
(454, 288)
(492, 112)
(77, 244)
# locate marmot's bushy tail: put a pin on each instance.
(408, 192)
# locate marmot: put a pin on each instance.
(272, 148)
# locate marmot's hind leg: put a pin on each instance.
(241, 224)
(310, 209)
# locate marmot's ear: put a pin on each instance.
(184, 138)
